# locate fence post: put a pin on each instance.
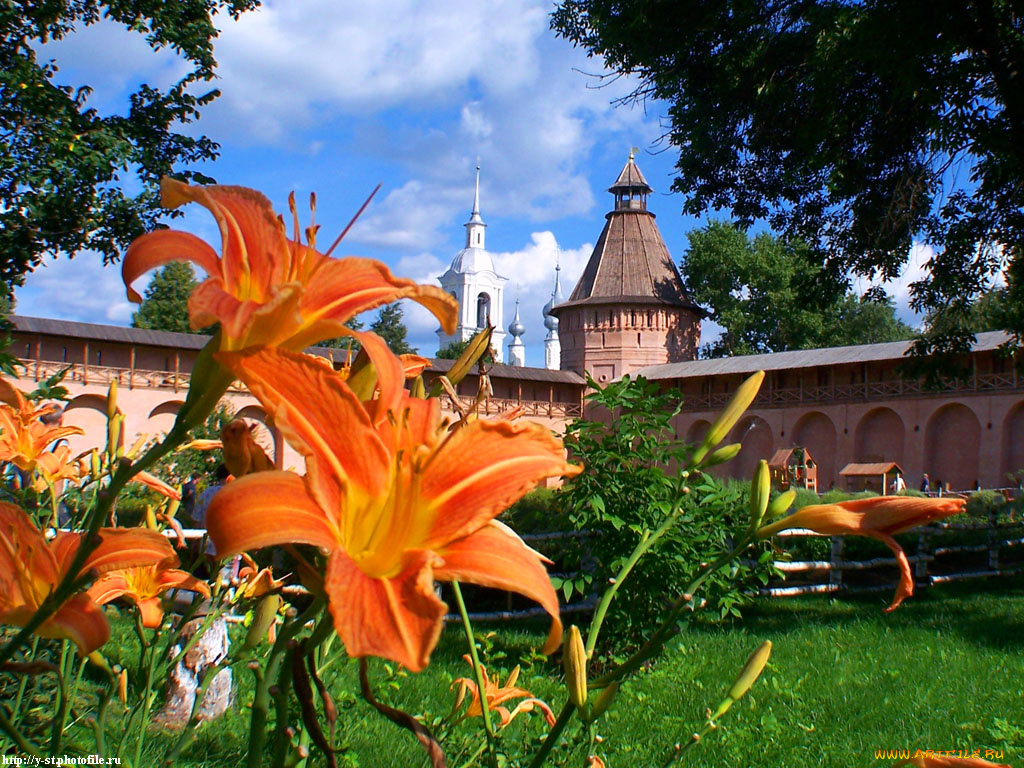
(924, 554)
(835, 575)
(993, 541)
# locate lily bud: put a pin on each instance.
(574, 659)
(751, 670)
(132, 452)
(780, 504)
(122, 687)
(604, 700)
(114, 433)
(722, 455)
(748, 675)
(151, 519)
(94, 464)
(263, 618)
(417, 389)
(99, 660)
(727, 418)
(112, 399)
(477, 348)
(760, 493)
(172, 507)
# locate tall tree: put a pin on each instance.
(855, 127)
(389, 326)
(165, 304)
(760, 291)
(64, 183)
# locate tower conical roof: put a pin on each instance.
(630, 178)
(630, 263)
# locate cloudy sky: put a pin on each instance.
(334, 96)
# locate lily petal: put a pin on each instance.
(398, 618)
(321, 418)
(81, 621)
(128, 548)
(342, 288)
(151, 611)
(482, 469)
(496, 557)
(158, 248)
(906, 586)
(264, 509)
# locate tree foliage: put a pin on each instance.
(66, 169)
(762, 292)
(389, 326)
(857, 128)
(164, 306)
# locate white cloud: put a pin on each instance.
(80, 289)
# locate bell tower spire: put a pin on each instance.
(475, 226)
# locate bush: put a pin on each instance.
(985, 505)
(627, 490)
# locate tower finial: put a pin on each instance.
(476, 192)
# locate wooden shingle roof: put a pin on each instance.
(630, 178)
(630, 265)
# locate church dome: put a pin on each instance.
(472, 260)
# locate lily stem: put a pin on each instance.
(478, 671)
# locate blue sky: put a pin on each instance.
(334, 96)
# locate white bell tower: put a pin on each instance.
(480, 290)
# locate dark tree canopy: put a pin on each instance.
(455, 349)
(164, 306)
(64, 167)
(389, 326)
(854, 127)
(756, 289)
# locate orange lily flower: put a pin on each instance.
(497, 694)
(880, 518)
(255, 581)
(31, 566)
(23, 435)
(925, 760)
(264, 289)
(54, 466)
(394, 498)
(144, 585)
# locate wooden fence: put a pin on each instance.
(1001, 554)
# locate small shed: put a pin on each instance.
(877, 476)
(794, 467)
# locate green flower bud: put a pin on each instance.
(574, 659)
(760, 493)
(264, 615)
(722, 455)
(780, 504)
(727, 418)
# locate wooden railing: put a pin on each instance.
(864, 391)
(551, 409)
(126, 378)
(178, 381)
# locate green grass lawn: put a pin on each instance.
(945, 671)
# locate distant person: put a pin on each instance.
(188, 495)
(938, 487)
(926, 483)
(900, 484)
(220, 476)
